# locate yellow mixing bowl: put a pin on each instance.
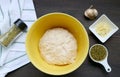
(52, 20)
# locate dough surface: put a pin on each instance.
(58, 46)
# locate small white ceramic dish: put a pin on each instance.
(104, 19)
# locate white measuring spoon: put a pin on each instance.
(104, 62)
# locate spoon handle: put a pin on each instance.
(106, 66)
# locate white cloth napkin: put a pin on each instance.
(14, 56)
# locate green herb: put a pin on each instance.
(6, 38)
(98, 52)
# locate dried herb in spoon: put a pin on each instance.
(98, 52)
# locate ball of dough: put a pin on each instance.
(58, 46)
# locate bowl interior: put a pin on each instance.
(53, 20)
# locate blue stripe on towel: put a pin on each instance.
(20, 42)
(0, 47)
(2, 12)
(14, 59)
(28, 10)
(20, 9)
(28, 20)
(9, 19)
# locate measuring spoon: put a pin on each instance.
(104, 61)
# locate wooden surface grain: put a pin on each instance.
(76, 8)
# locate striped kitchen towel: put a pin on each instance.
(14, 56)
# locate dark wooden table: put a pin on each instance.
(76, 8)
